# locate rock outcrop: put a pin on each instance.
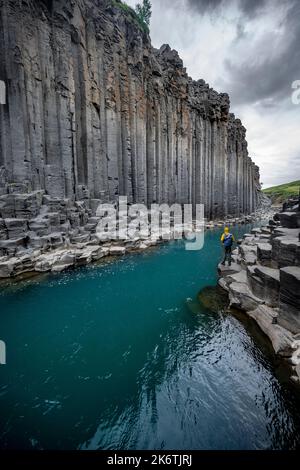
(94, 111)
(267, 284)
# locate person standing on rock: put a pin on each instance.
(227, 239)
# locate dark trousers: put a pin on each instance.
(227, 256)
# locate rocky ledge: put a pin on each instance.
(39, 233)
(264, 282)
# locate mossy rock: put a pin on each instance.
(213, 298)
(131, 13)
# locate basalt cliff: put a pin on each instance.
(93, 111)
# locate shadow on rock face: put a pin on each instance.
(213, 298)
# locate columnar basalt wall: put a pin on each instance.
(94, 111)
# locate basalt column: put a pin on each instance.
(94, 111)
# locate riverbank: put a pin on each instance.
(58, 251)
(264, 282)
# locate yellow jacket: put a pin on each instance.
(225, 234)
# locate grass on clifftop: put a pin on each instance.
(282, 192)
(132, 13)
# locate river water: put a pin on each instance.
(123, 356)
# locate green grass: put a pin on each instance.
(284, 191)
(130, 12)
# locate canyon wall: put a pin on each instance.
(94, 111)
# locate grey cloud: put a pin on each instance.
(265, 77)
(256, 65)
(248, 8)
(251, 8)
(255, 75)
(203, 6)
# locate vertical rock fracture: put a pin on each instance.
(94, 110)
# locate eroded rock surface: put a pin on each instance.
(94, 112)
(269, 289)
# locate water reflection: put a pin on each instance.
(124, 355)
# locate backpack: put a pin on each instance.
(228, 241)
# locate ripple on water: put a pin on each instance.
(127, 355)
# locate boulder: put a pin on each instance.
(256, 232)
(74, 218)
(18, 265)
(56, 240)
(117, 251)
(290, 219)
(282, 340)
(289, 253)
(264, 253)
(222, 282)
(65, 261)
(264, 238)
(213, 299)
(28, 205)
(89, 254)
(40, 225)
(94, 204)
(16, 228)
(237, 277)
(10, 247)
(24, 264)
(97, 253)
(92, 224)
(245, 249)
(289, 316)
(247, 235)
(3, 230)
(6, 268)
(83, 257)
(54, 220)
(264, 283)
(45, 262)
(249, 241)
(81, 238)
(226, 270)
(7, 206)
(105, 251)
(248, 254)
(286, 232)
(297, 374)
(241, 297)
(249, 259)
(286, 251)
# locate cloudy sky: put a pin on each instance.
(251, 50)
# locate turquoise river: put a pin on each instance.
(122, 355)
